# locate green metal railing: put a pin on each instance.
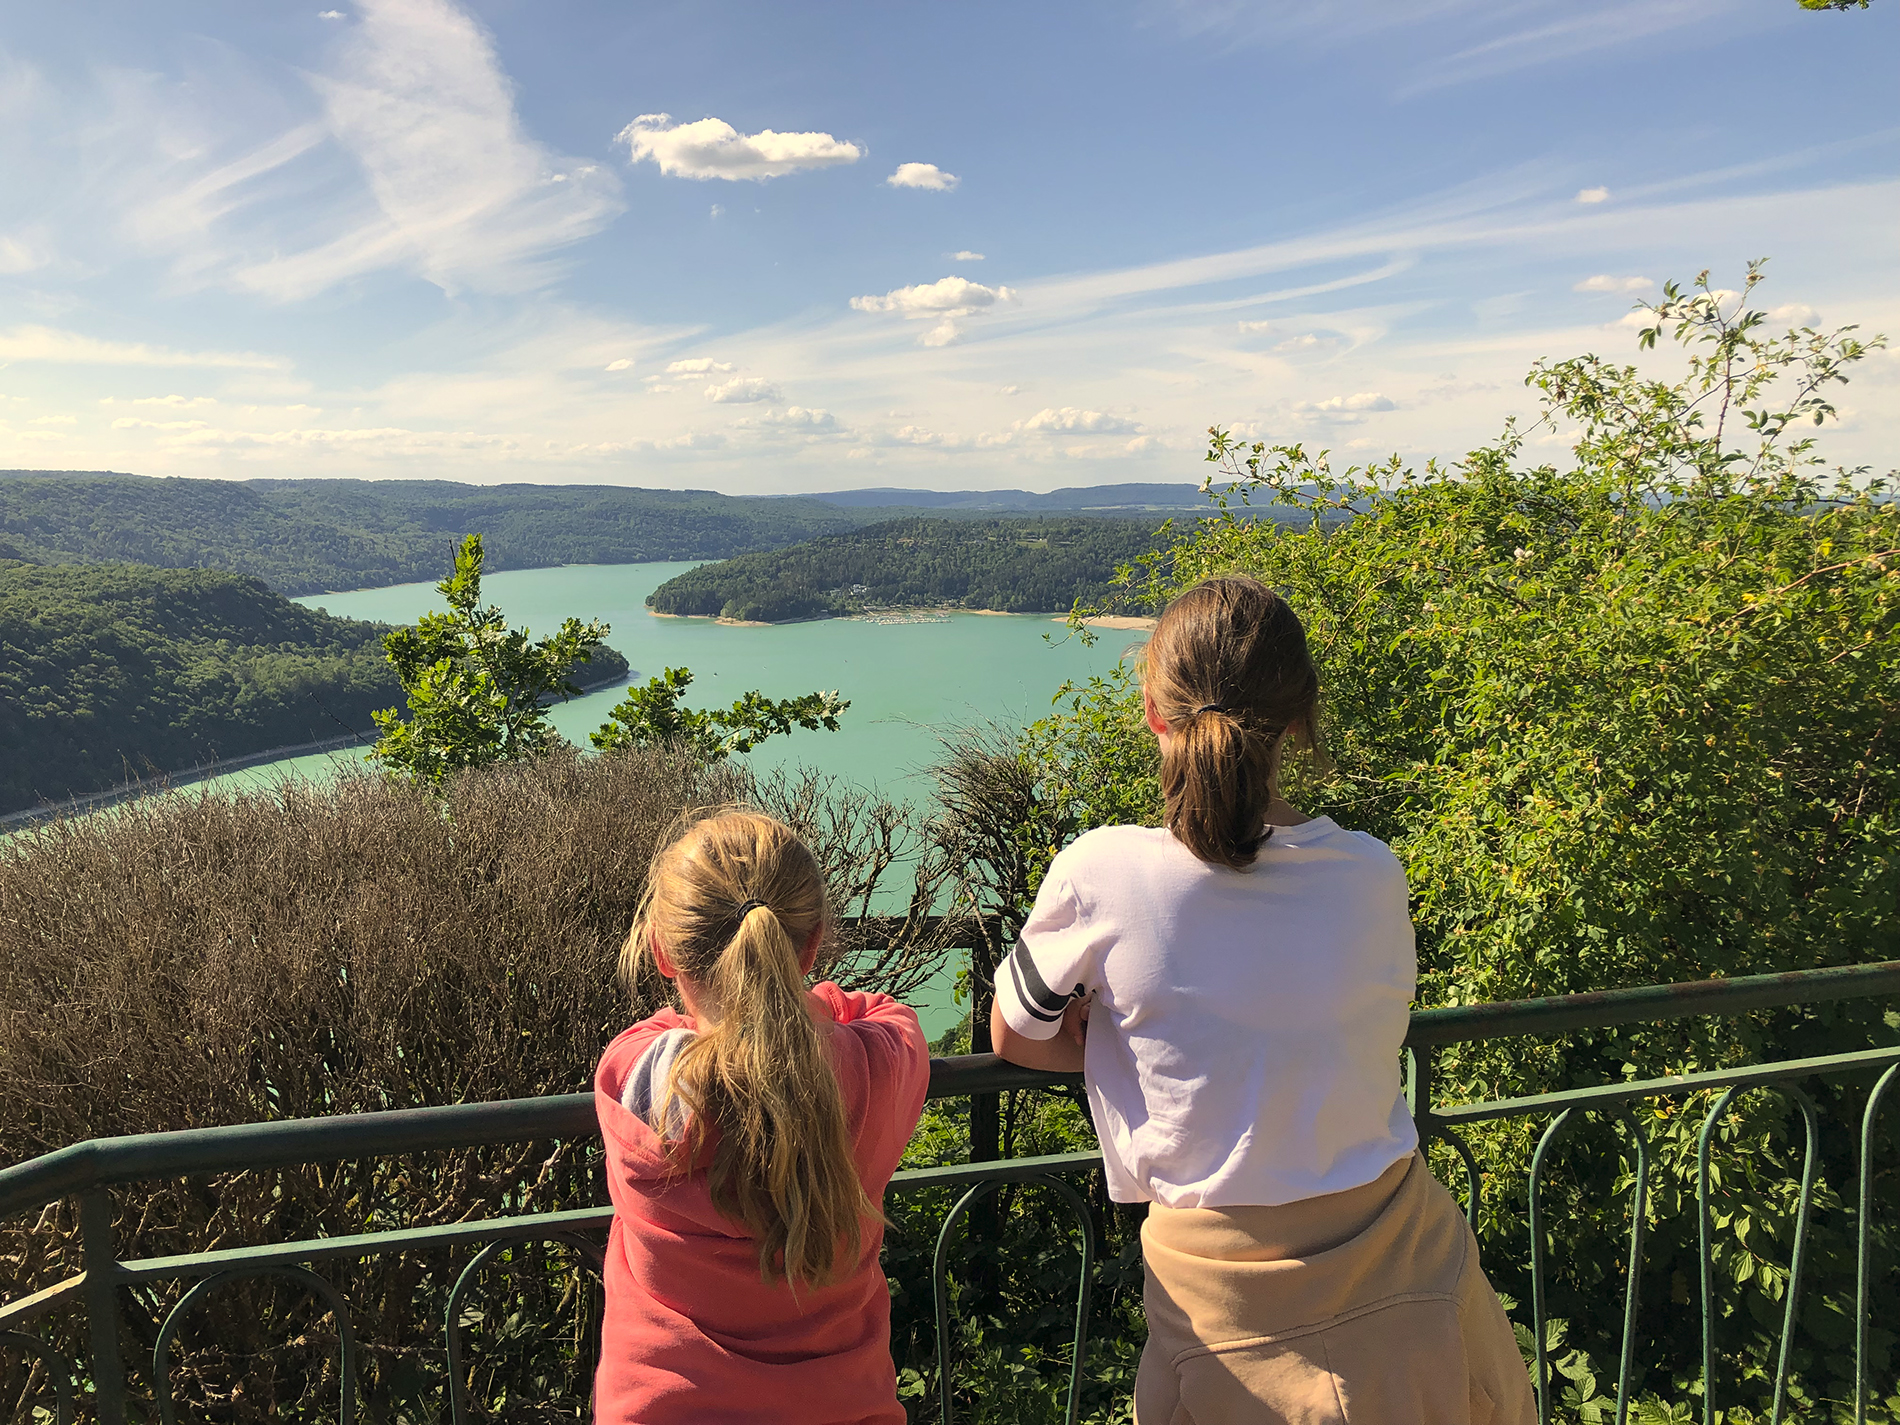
(88, 1171)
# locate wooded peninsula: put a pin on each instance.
(1004, 565)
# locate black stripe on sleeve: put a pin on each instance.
(1042, 1002)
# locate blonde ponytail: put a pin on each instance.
(733, 902)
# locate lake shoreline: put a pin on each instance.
(215, 767)
(1116, 621)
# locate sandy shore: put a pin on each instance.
(741, 622)
(1122, 621)
(1115, 621)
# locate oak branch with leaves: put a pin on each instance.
(652, 715)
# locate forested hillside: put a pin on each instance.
(112, 670)
(1011, 565)
(310, 536)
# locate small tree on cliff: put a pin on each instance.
(479, 691)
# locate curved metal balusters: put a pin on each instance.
(1537, 1263)
(1632, 1291)
(1864, 1245)
(311, 1282)
(1797, 1264)
(939, 1283)
(62, 1378)
(1472, 1175)
(591, 1254)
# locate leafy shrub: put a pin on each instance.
(1632, 720)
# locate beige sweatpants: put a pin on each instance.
(1366, 1306)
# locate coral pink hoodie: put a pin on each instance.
(691, 1332)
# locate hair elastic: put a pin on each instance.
(1211, 707)
(746, 908)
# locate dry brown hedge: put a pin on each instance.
(209, 957)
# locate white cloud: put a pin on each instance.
(718, 210)
(1593, 195)
(696, 366)
(946, 297)
(461, 195)
(1073, 420)
(329, 14)
(174, 401)
(799, 418)
(923, 175)
(743, 388)
(70, 348)
(620, 365)
(54, 421)
(966, 256)
(1603, 282)
(944, 300)
(1009, 390)
(712, 148)
(918, 435)
(1794, 314)
(1254, 328)
(1360, 401)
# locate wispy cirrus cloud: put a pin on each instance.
(49, 344)
(1451, 42)
(1604, 282)
(462, 195)
(399, 148)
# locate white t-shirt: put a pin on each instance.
(1243, 1046)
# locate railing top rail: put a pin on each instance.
(1600, 1009)
(101, 1162)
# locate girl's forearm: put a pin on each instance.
(1061, 1054)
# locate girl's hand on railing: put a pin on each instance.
(1075, 1019)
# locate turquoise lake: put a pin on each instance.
(908, 683)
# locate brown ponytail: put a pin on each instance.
(1228, 671)
(733, 901)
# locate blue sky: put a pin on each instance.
(770, 247)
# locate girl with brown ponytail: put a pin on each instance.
(1234, 986)
(749, 1141)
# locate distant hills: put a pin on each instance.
(1076, 499)
(1020, 565)
(315, 536)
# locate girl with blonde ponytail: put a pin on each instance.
(1234, 987)
(749, 1140)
